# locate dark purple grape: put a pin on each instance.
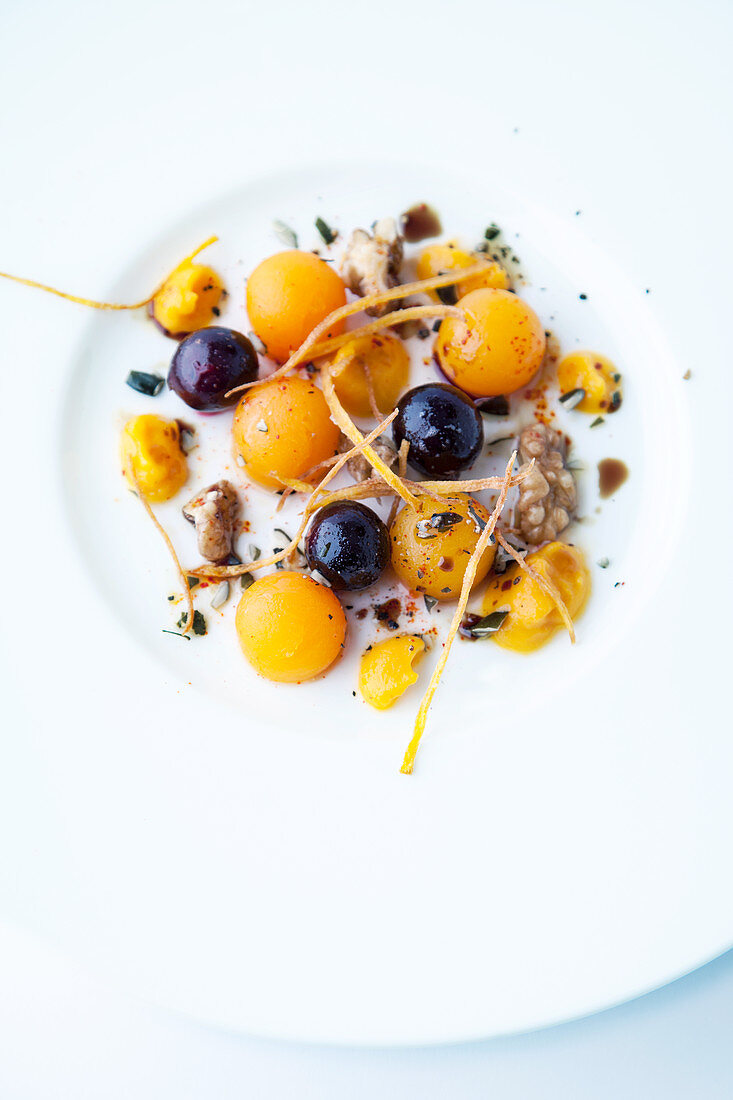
(348, 544)
(443, 426)
(210, 362)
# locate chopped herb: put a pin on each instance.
(603, 563)
(423, 333)
(616, 377)
(436, 326)
(253, 551)
(246, 580)
(501, 439)
(473, 626)
(430, 602)
(232, 559)
(493, 406)
(615, 401)
(492, 232)
(477, 519)
(199, 622)
(187, 439)
(261, 426)
(447, 294)
(193, 581)
(439, 521)
(285, 234)
(221, 595)
(178, 635)
(598, 420)
(320, 578)
(327, 234)
(149, 384)
(583, 297)
(572, 398)
(216, 311)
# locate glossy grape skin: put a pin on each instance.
(348, 544)
(443, 426)
(209, 363)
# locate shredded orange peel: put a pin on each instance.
(262, 563)
(105, 305)
(305, 351)
(171, 549)
(408, 762)
(546, 585)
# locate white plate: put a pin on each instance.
(250, 854)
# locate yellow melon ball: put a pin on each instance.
(282, 429)
(290, 627)
(380, 360)
(152, 459)
(533, 616)
(288, 294)
(440, 259)
(386, 669)
(430, 555)
(596, 376)
(497, 349)
(187, 299)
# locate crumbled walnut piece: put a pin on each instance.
(213, 511)
(359, 466)
(372, 263)
(548, 495)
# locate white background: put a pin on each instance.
(572, 91)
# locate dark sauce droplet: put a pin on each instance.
(419, 222)
(612, 473)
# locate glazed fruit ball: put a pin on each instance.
(439, 259)
(152, 459)
(586, 370)
(380, 358)
(209, 363)
(386, 670)
(431, 547)
(533, 616)
(288, 294)
(187, 299)
(444, 428)
(283, 429)
(348, 544)
(497, 349)
(290, 627)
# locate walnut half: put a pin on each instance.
(359, 466)
(214, 512)
(548, 495)
(372, 262)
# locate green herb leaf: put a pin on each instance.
(474, 627)
(246, 581)
(285, 234)
(572, 398)
(598, 420)
(142, 382)
(492, 232)
(327, 234)
(430, 602)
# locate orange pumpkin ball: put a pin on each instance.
(290, 627)
(288, 294)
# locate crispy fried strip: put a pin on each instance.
(347, 426)
(546, 585)
(402, 471)
(376, 411)
(304, 352)
(410, 313)
(249, 567)
(409, 759)
(171, 549)
(103, 305)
